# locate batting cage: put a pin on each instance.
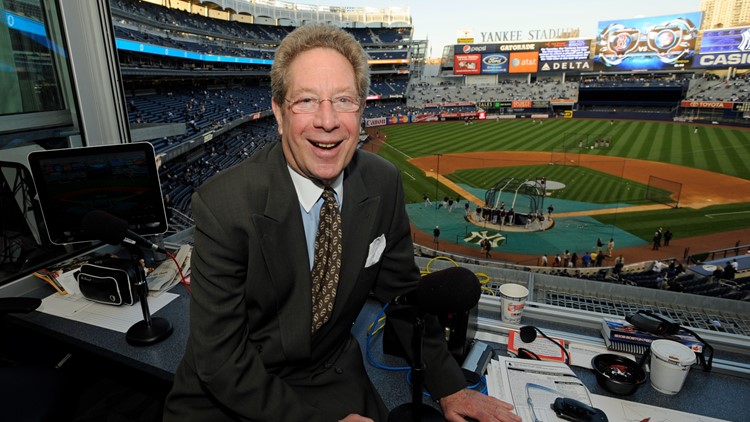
(523, 195)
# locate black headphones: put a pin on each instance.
(663, 326)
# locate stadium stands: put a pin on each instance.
(208, 103)
(442, 90)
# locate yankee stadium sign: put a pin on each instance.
(531, 35)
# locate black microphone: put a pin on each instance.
(114, 230)
(452, 290)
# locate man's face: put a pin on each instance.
(319, 145)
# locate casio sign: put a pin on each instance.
(494, 60)
(474, 48)
(724, 59)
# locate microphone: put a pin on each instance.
(106, 227)
(114, 230)
(452, 290)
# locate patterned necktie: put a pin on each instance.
(327, 262)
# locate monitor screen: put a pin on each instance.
(120, 179)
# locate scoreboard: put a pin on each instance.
(650, 43)
(522, 57)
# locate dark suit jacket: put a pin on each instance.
(250, 355)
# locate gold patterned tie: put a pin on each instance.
(327, 263)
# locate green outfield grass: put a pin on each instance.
(712, 148)
(581, 183)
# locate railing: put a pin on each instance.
(700, 257)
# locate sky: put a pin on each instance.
(439, 21)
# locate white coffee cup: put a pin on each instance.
(513, 299)
(670, 363)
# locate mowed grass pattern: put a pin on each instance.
(717, 149)
(712, 148)
(581, 184)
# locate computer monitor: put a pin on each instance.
(120, 179)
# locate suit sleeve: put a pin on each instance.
(227, 365)
(398, 275)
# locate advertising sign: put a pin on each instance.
(706, 104)
(467, 64)
(495, 63)
(521, 104)
(494, 104)
(565, 50)
(725, 47)
(525, 62)
(567, 66)
(649, 43)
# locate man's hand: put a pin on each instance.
(353, 417)
(470, 403)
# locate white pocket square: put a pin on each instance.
(376, 251)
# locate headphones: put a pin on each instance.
(660, 325)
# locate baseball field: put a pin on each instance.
(634, 176)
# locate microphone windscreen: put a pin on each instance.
(452, 290)
(104, 226)
(528, 333)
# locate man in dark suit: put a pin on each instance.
(254, 351)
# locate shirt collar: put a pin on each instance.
(309, 191)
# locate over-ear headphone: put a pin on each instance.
(653, 323)
(659, 324)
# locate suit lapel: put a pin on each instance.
(358, 218)
(285, 252)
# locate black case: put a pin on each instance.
(110, 280)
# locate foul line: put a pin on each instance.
(385, 144)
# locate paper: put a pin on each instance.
(117, 318)
(546, 349)
(166, 276)
(532, 386)
(624, 410)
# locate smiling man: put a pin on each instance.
(288, 246)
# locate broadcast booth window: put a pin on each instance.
(121, 180)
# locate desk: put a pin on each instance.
(160, 360)
(709, 394)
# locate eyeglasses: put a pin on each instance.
(341, 104)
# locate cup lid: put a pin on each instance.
(672, 351)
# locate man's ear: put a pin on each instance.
(278, 112)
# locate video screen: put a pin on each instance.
(120, 179)
(725, 47)
(650, 43)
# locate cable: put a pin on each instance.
(371, 331)
(182, 276)
(483, 277)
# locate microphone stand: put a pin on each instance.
(416, 410)
(152, 329)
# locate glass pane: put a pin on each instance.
(28, 76)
